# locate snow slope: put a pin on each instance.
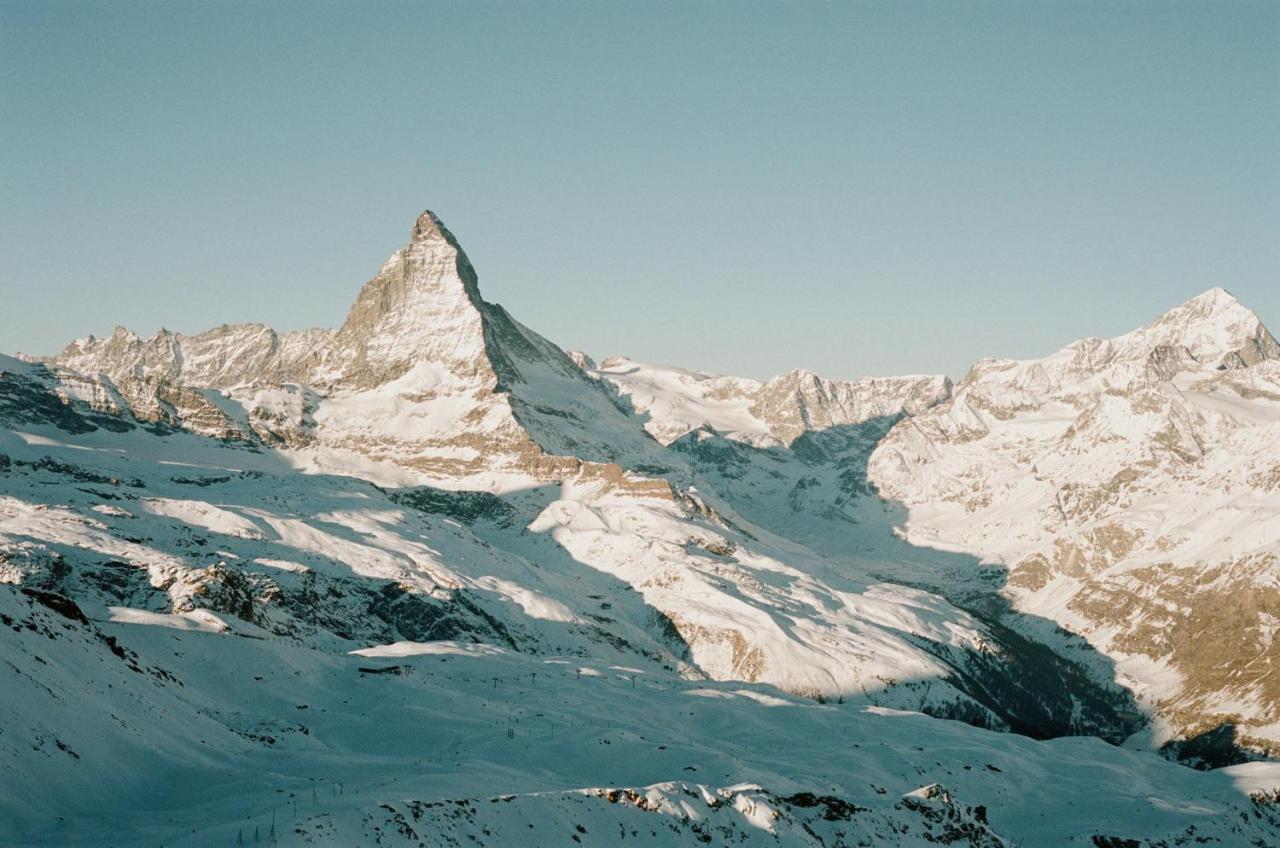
(199, 738)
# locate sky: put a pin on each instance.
(853, 188)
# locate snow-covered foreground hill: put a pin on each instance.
(154, 729)
(428, 579)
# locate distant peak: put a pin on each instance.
(1214, 295)
(1213, 301)
(1213, 327)
(428, 227)
(430, 234)
(1217, 306)
(423, 305)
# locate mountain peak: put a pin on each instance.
(428, 227)
(1215, 303)
(1217, 294)
(1216, 329)
(422, 306)
(1212, 330)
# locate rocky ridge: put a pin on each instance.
(440, 380)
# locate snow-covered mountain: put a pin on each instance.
(1131, 488)
(430, 557)
(423, 373)
(674, 401)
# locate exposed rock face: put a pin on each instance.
(582, 360)
(1126, 485)
(167, 378)
(802, 402)
(422, 307)
(227, 356)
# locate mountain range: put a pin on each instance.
(429, 579)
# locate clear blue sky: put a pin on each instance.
(855, 188)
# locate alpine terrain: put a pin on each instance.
(429, 579)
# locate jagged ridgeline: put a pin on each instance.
(431, 556)
(423, 372)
